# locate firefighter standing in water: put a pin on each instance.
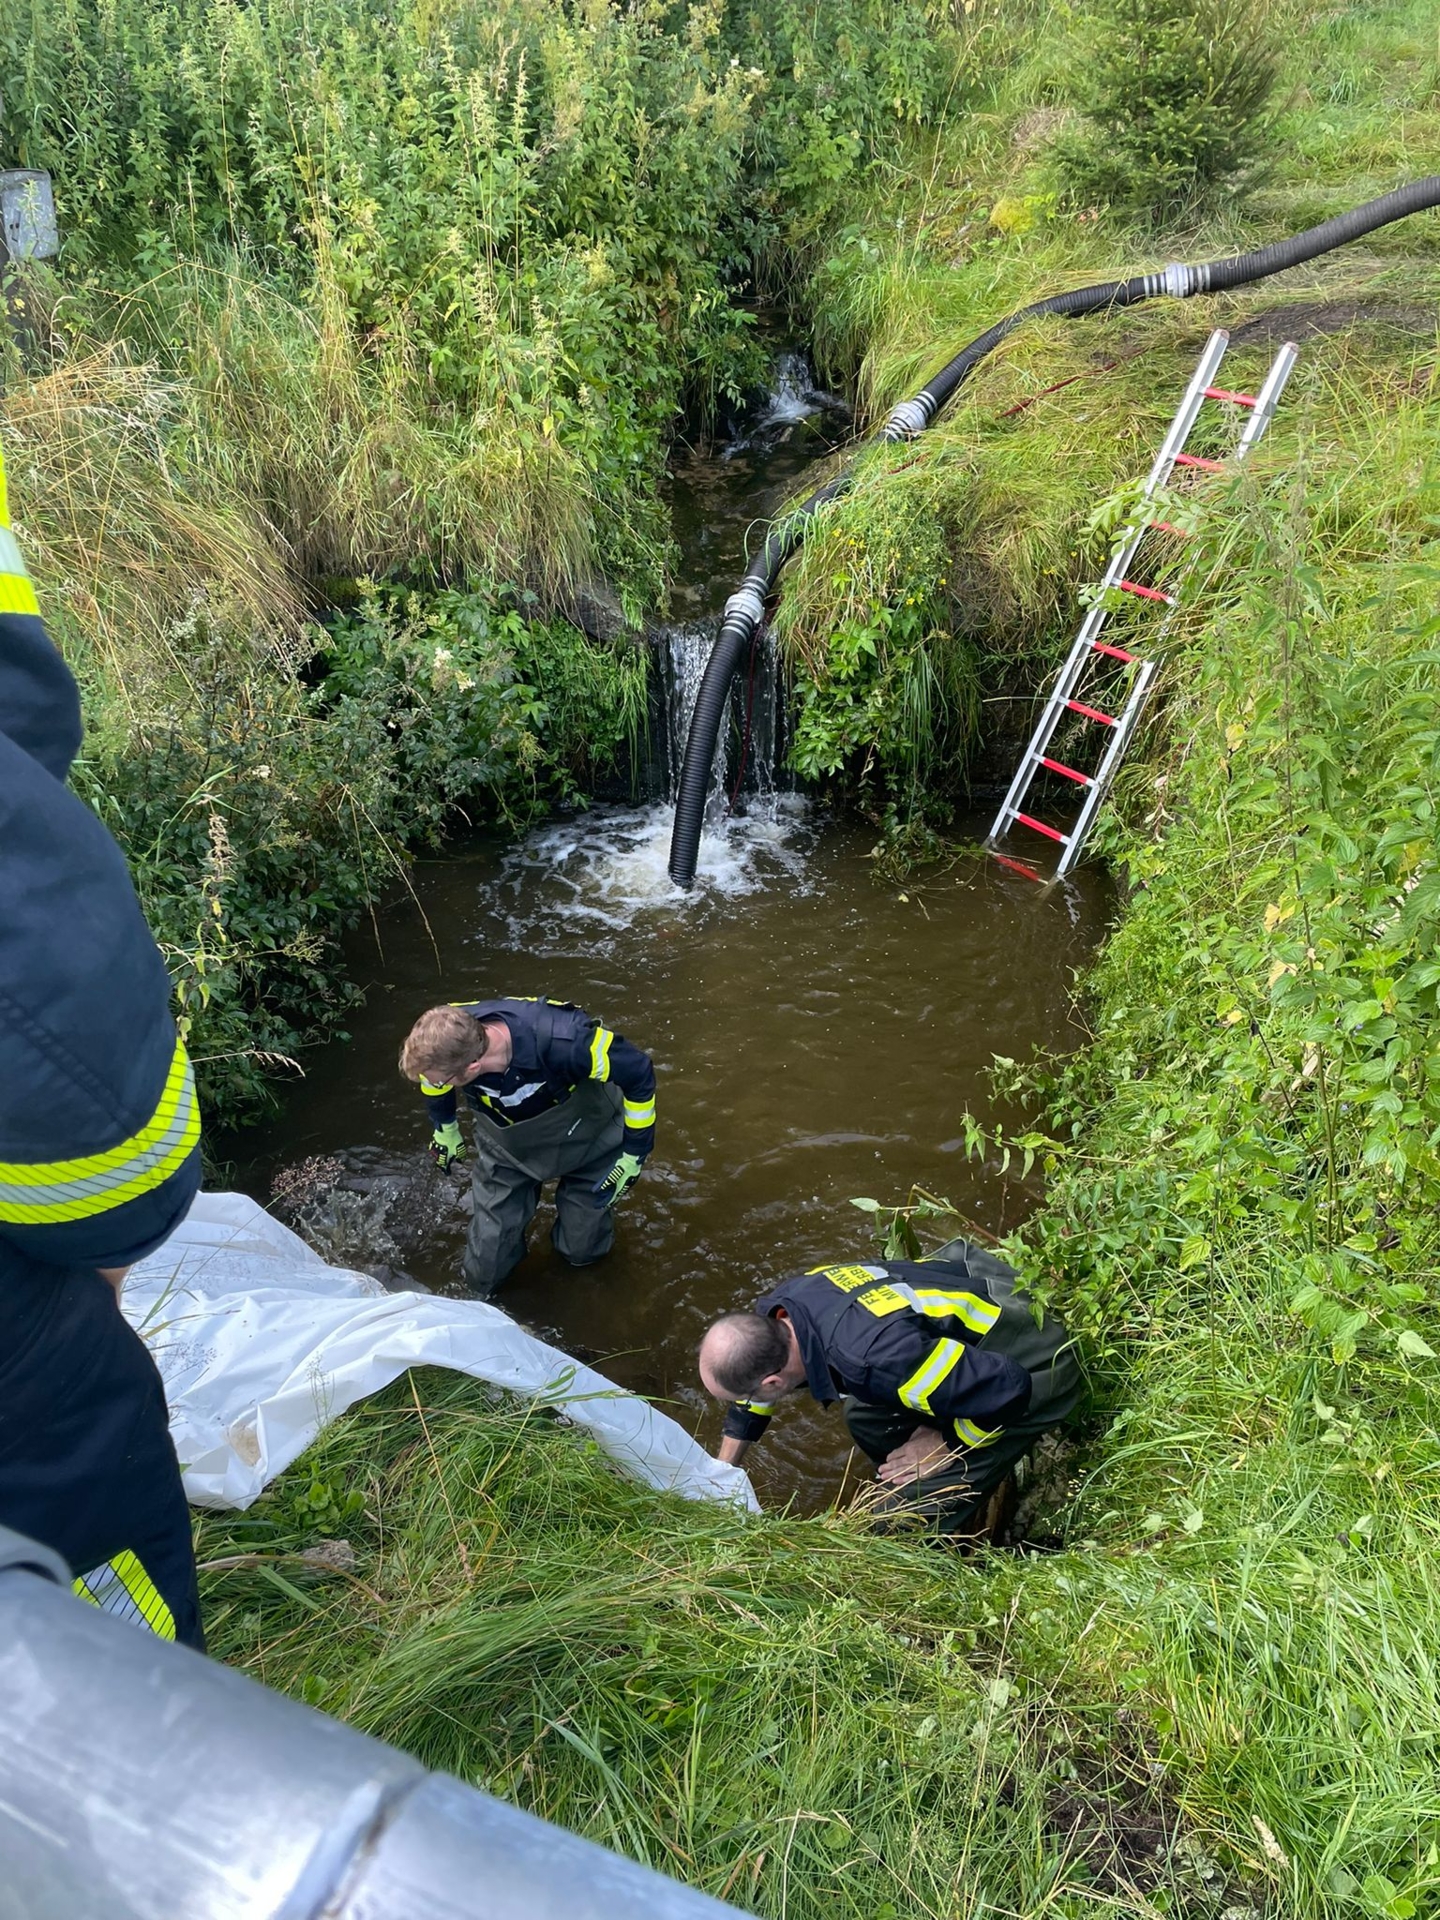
(556, 1095)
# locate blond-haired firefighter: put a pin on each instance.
(555, 1095)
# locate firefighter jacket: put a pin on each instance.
(554, 1046)
(99, 1127)
(951, 1339)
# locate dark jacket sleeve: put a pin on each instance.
(746, 1420)
(966, 1391)
(600, 1054)
(99, 1125)
(439, 1103)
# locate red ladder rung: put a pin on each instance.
(1194, 460)
(1070, 773)
(1091, 713)
(1051, 833)
(1116, 653)
(1166, 526)
(1224, 393)
(1146, 593)
(1016, 866)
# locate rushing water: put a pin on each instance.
(817, 1037)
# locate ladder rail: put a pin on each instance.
(1179, 431)
(1186, 414)
(1268, 399)
(1106, 771)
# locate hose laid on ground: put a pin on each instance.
(745, 609)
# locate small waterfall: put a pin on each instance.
(793, 393)
(754, 717)
(609, 865)
(792, 397)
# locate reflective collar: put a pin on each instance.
(818, 1377)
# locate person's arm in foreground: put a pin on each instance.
(99, 1126)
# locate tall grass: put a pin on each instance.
(1222, 1697)
(794, 1715)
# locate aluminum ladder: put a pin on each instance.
(1097, 659)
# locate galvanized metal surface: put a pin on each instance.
(140, 1781)
(28, 230)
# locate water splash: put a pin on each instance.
(793, 397)
(609, 867)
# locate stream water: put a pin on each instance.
(817, 1037)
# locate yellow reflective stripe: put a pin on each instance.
(17, 595)
(42, 1192)
(123, 1587)
(968, 1308)
(849, 1278)
(756, 1406)
(441, 1086)
(640, 1113)
(600, 1054)
(940, 1362)
(976, 1436)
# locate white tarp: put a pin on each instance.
(261, 1344)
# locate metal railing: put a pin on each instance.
(140, 1781)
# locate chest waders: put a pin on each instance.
(574, 1144)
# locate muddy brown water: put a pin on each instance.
(817, 1037)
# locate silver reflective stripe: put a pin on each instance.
(52, 1191)
(980, 1318)
(514, 1099)
(10, 557)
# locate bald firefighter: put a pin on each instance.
(99, 1158)
(554, 1094)
(946, 1379)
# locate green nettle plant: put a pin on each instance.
(1174, 96)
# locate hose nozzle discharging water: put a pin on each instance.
(745, 608)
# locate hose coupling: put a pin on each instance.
(908, 419)
(746, 606)
(1179, 281)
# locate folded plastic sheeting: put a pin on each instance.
(261, 1344)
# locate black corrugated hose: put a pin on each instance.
(745, 609)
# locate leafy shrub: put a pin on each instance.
(261, 817)
(1174, 92)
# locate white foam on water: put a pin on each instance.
(793, 397)
(608, 869)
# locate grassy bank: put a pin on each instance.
(1221, 1696)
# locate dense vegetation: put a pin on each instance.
(362, 294)
(1222, 1697)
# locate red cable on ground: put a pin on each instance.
(1089, 373)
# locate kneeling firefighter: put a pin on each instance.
(556, 1095)
(947, 1380)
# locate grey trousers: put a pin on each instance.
(574, 1144)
